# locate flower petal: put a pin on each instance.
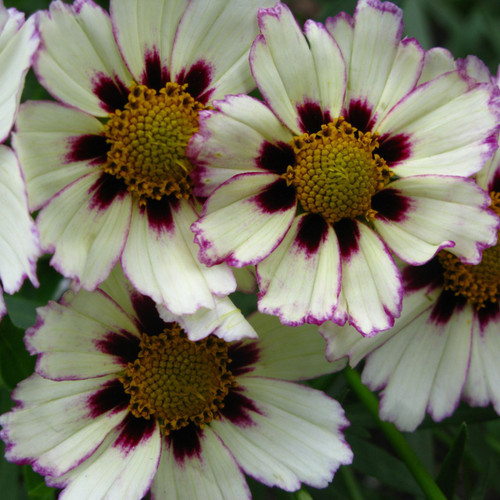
(160, 260)
(19, 249)
(86, 225)
(87, 73)
(310, 293)
(210, 474)
(53, 144)
(435, 212)
(438, 61)
(245, 219)
(285, 443)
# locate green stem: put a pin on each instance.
(350, 482)
(397, 440)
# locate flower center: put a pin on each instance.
(336, 173)
(478, 283)
(177, 381)
(148, 140)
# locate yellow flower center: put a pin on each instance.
(479, 283)
(177, 381)
(148, 140)
(336, 173)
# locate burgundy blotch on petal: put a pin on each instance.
(105, 190)
(347, 234)
(124, 346)
(198, 78)
(155, 76)
(237, 408)
(488, 314)
(311, 232)
(312, 117)
(495, 183)
(132, 431)
(185, 443)
(148, 319)
(242, 357)
(391, 204)
(445, 306)
(394, 149)
(276, 197)
(359, 114)
(275, 158)
(90, 147)
(111, 397)
(112, 92)
(159, 214)
(429, 274)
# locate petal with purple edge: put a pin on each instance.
(86, 224)
(423, 367)
(437, 62)
(450, 126)
(145, 34)
(88, 73)
(310, 292)
(160, 255)
(371, 282)
(210, 474)
(245, 219)
(341, 27)
(284, 443)
(420, 215)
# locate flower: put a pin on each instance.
(362, 147)
(19, 247)
(446, 344)
(100, 419)
(106, 165)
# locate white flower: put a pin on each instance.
(362, 147)
(19, 248)
(106, 164)
(100, 420)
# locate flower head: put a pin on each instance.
(124, 401)
(106, 164)
(362, 147)
(19, 248)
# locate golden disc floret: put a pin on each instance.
(177, 381)
(336, 172)
(480, 283)
(148, 140)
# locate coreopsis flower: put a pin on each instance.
(106, 165)
(446, 344)
(19, 247)
(361, 148)
(124, 401)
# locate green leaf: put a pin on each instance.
(448, 474)
(36, 486)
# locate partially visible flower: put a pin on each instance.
(106, 165)
(446, 344)
(19, 249)
(123, 402)
(362, 147)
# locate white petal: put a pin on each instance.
(224, 320)
(450, 127)
(160, 260)
(423, 367)
(232, 141)
(310, 292)
(371, 284)
(16, 54)
(288, 353)
(437, 62)
(72, 71)
(19, 247)
(341, 27)
(286, 443)
(87, 236)
(239, 225)
(210, 475)
(145, 30)
(46, 134)
(442, 212)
